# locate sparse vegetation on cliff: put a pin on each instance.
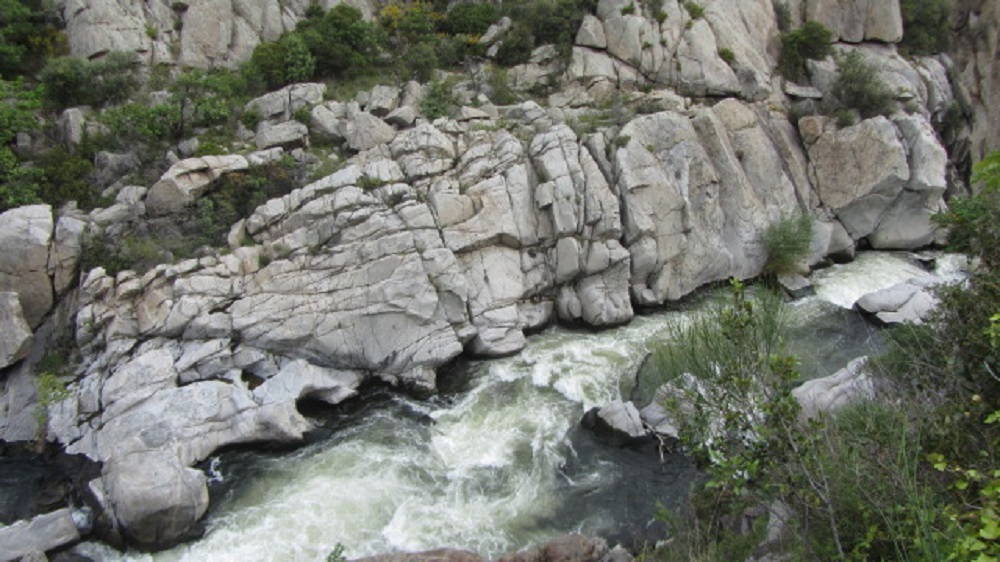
(811, 42)
(858, 87)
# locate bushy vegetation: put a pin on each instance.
(29, 35)
(858, 87)
(925, 26)
(787, 243)
(235, 196)
(541, 22)
(912, 475)
(811, 42)
(71, 81)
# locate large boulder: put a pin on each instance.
(850, 385)
(616, 423)
(883, 180)
(25, 237)
(860, 171)
(156, 500)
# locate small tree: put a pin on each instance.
(811, 42)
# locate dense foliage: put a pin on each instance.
(71, 81)
(925, 26)
(29, 35)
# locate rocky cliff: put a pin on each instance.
(457, 235)
(976, 25)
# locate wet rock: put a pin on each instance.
(904, 303)
(796, 286)
(42, 533)
(617, 423)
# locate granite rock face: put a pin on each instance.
(457, 235)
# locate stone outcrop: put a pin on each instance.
(855, 21)
(976, 39)
(458, 235)
(25, 237)
(15, 339)
(882, 179)
(212, 33)
(186, 180)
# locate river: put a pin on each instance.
(496, 461)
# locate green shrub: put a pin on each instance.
(438, 101)
(137, 122)
(694, 10)
(516, 47)
(787, 243)
(501, 94)
(18, 104)
(300, 65)
(209, 148)
(859, 87)
(420, 62)
(727, 55)
(29, 35)
(470, 19)
(541, 22)
(811, 42)
(342, 42)
(925, 26)
(268, 64)
(202, 98)
(73, 81)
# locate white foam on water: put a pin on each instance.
(486, 476)
(844, 284)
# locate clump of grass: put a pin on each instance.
(787, 242)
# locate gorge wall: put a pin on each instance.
(455, 235)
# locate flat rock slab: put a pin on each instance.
(44, 532)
